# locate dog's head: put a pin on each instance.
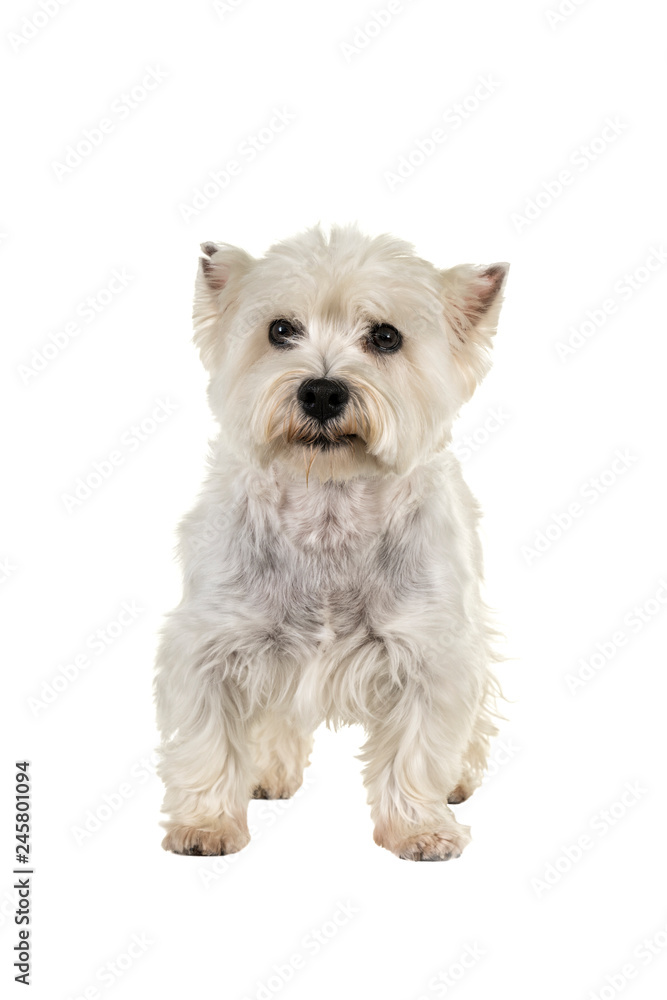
(341, 356)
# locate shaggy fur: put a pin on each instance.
(331, 572)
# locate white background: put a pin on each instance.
(217, 928)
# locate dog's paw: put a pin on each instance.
(273, 791)
(277, 786)
(468, 783)
(460, 794)
(207, 843)
(440, 845)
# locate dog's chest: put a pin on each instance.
(336, 554)
(328, 569)
(331, 520)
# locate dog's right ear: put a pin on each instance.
(219, 262)
(217, 291)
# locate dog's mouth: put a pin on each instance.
(326, 443)
(330, 436)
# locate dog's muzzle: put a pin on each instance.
(322, 399)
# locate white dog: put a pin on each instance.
(332, 565)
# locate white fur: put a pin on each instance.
(340, 584)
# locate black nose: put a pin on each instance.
(322, 398)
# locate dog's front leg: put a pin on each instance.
(207, 768)
(413, 761)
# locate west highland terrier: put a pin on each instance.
(332, 565)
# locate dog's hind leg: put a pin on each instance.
(476, 754)
(281, 751)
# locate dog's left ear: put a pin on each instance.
(472, 297)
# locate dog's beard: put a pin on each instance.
(359, 441)
(329, 447)
(339, 438)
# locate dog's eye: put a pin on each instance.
(385, 338)
(282, 333)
